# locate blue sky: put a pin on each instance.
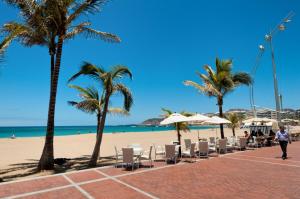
(163, 43)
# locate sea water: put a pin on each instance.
(39, 131)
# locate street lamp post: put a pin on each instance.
(269, 39)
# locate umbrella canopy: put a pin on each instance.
(217, 120)
(198, 118)
(174, 118)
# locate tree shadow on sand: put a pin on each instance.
(29, 168)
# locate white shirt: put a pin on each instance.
(282, 136)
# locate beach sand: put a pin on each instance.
(18, 157)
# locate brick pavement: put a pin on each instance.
(256, 173)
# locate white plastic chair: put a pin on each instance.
(158, 151)
(188, 143)
(118, 155)
(191, 152)
(147, 157)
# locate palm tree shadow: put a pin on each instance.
(29, 168)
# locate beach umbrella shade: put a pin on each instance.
(198, 118)
(217, 120)
(175, 118)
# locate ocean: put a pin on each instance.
(39, 131)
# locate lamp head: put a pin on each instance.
(281, 27)
(261, 47)
(268, 37)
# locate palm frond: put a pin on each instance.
(197, 86)
(105, 36)
(128, 99)
(166, 112)
(118, 111)
(88, 6)
(88, 69)
(88, 106)
(120, 71)
(242, 78)
(86, 93)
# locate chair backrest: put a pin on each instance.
(222, 144)
(187, 143)
(243, 142)
(150, 152)
(128, 155)
(116, 151)
(212, 140)
(170, 150)
(192, 149)
(203, 147)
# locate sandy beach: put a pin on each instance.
(21, 154)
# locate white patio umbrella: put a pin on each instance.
(217, 120)
(175, 118)
(198, 118)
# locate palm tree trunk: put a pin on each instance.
(220, 104)
(47, 159)
(233, 132)
(100, 128)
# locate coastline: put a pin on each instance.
(28, 149)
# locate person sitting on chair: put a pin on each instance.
(260, 133)
(247, 135)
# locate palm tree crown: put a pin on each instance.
(92, 103)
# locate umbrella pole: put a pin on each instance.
(179, 139)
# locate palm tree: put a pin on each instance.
(92, 103)
(235, 121)
(220, 82)
(179, 126)
(110, 86)
(51, 23)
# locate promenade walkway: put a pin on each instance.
(259, 173)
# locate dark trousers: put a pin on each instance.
(283, 145)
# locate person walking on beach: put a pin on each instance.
(283, 137)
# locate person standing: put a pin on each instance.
(283, 137)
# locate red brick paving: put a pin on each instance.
(119, 171)
(251, 174)
(110, 189)
(84, 176)
(71, 192)
(31, 185)
(220, 178)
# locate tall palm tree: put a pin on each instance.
(51, 23)
(110, 86)
(179, 126)
(218, 83)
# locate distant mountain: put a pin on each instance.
(152, 121)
